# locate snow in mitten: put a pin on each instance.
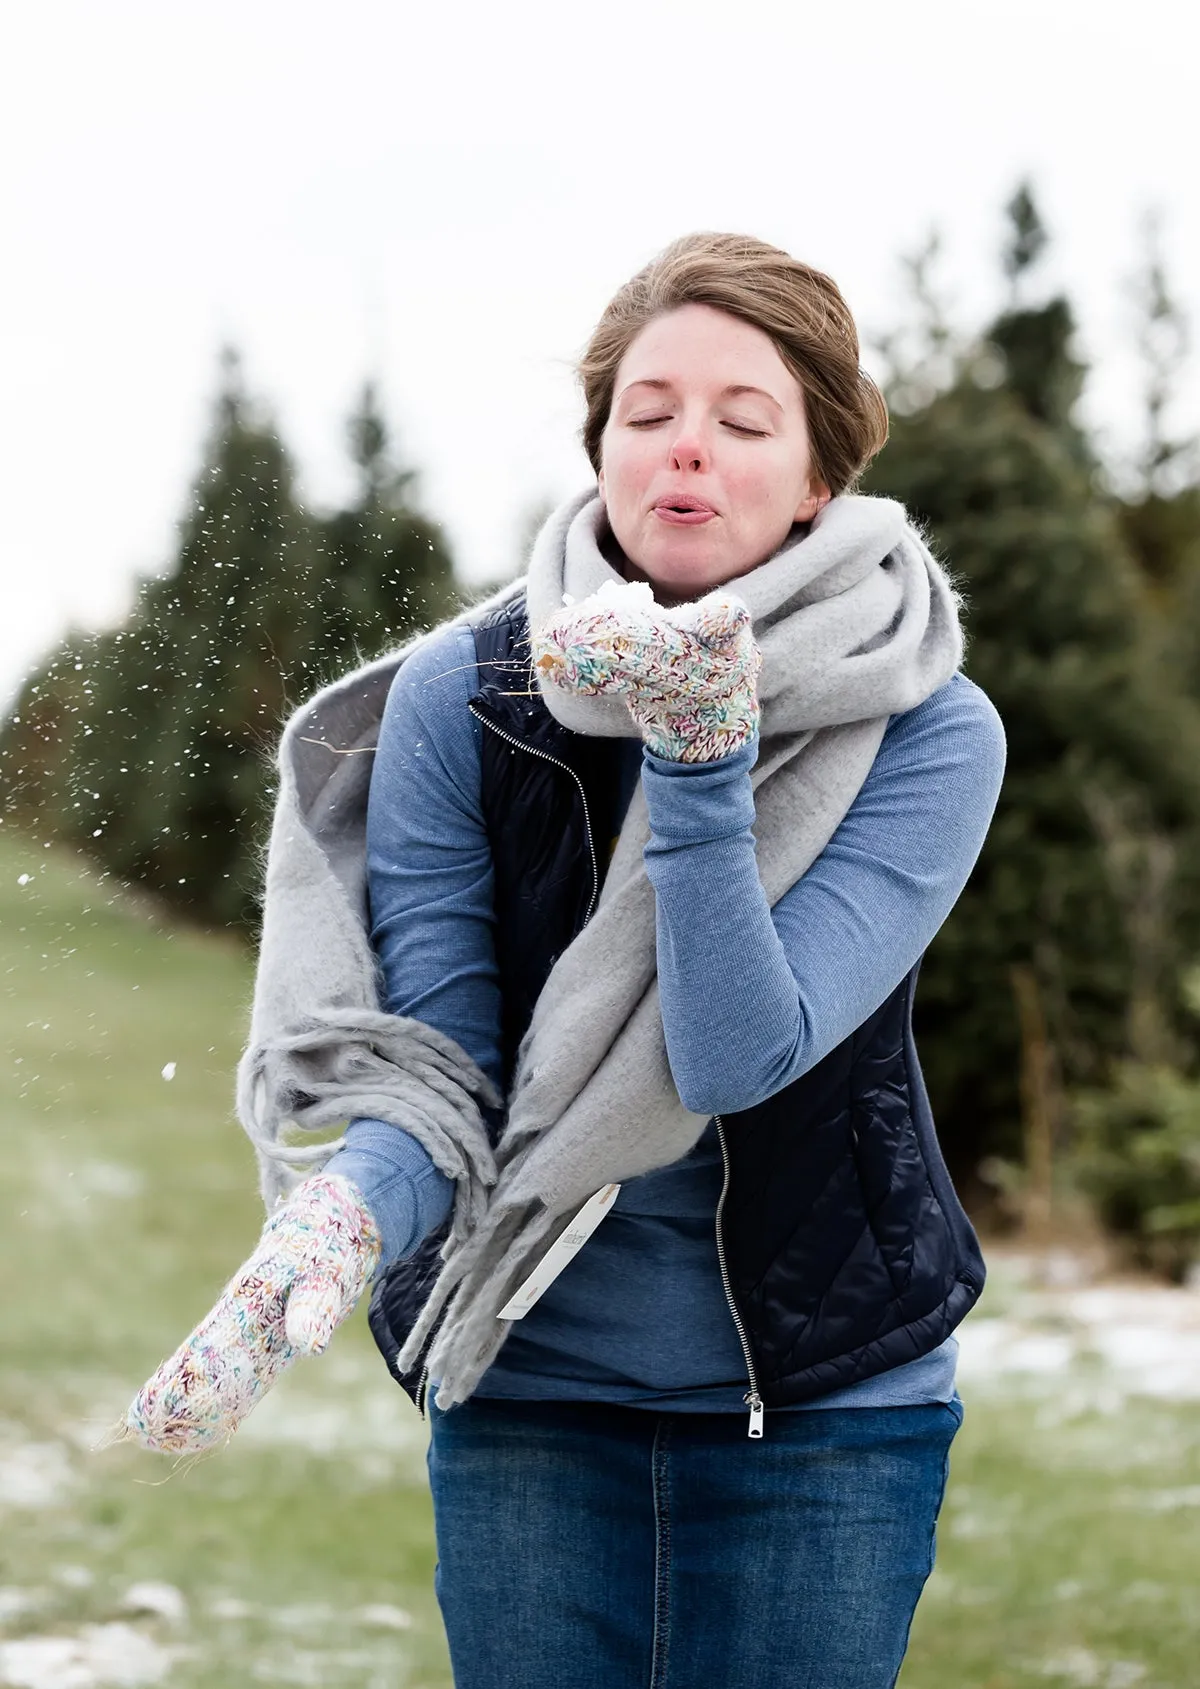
(688, 674)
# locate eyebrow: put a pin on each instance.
(734, 390)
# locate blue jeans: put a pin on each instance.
(595, 1546)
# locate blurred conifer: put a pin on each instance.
(384, 568)
(996, 466)
(1159, 511)
(149, 745)
(188, 693)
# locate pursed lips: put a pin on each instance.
(678, 518)
(683, 511)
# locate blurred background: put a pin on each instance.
(289, 312)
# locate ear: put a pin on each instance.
(600, 482)
(818, 496)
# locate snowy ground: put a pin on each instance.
(1042, 1327)
(343, 1413)
(1043, 1334)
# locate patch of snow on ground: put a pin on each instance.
(384, 1617)
(304, 1615)
(17, 1603)
(342, 1407)
(33, 1475)
(110, 1178)
(61, 1189)
(230, 1608)
(1125, 1338)
(1079, 1666)
(1160, 1501)
(162, 1600)
(102, 1655)
(313, 1615)
(307, 1666)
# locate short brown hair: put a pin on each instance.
(800, 309)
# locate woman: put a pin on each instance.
(652, 841)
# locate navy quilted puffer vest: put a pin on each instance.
(845, 1248)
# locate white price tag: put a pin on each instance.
(557, 1256)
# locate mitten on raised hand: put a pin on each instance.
(688, 674)
(315, 1256)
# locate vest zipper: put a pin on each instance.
(536, 751)
(752, 1398)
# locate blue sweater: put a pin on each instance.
(752, 996)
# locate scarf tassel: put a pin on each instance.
(476, 1281)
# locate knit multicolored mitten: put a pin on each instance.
(316, 1254)
(688, 674)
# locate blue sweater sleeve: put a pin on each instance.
(430, 883)
(753, 996)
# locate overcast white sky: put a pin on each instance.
(447, 195)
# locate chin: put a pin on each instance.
(672, 574)
(683, 560)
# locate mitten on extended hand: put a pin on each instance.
(316, 1253)
(688, 674)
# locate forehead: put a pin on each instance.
(699, 345)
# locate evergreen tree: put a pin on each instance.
(1035, 342)
(1160, 512)
(384, 569)
(1027, 239)
(1104, 754)
(1166, 462)
(145, 745)
(37, 738)
(188, 695)
(149, 746)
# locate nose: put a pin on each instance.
(689, 450)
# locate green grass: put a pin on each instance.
(127, 1202)
(1065, 1541)
(1069, 1546)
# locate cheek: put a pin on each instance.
(770, 488)
(758, 489)
(625, 466)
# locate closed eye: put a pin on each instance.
(738, 427)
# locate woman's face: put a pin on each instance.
(706, 455)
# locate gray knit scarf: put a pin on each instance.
(856, 621)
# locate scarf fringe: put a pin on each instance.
(475, 1283)
(473, 1334)
(350, 1063)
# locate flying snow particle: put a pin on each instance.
(168, 1072)
(24, 879)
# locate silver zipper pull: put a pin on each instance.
(756, 1414)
